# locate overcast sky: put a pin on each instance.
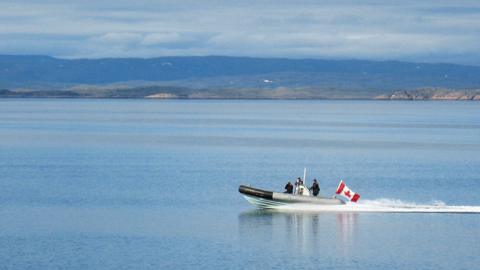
(425, 31)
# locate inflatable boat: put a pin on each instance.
(268, 199)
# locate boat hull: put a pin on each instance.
(269, 199)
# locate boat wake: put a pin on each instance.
(384, 206)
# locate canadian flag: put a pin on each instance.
(347, 193)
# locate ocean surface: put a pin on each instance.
(151, 184)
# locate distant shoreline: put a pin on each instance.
(237, 78)
(166, 93)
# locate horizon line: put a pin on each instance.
(251, 57)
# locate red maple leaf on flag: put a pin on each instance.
(347, 193)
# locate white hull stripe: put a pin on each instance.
(263, 203)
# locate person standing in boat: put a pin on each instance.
(298, 186)
(289, 188)
(315, 187)
(299, 182)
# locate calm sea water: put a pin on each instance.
(134, 184)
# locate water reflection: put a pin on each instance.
(303, 232)
(346, 224)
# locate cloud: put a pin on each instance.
(432, 30)
(161, 38)
(120, 38)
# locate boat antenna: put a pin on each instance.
(305, 176)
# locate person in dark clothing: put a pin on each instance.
(315, 188)
(289, 188)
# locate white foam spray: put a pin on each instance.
(384, 206)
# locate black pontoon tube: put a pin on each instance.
(256, 192)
